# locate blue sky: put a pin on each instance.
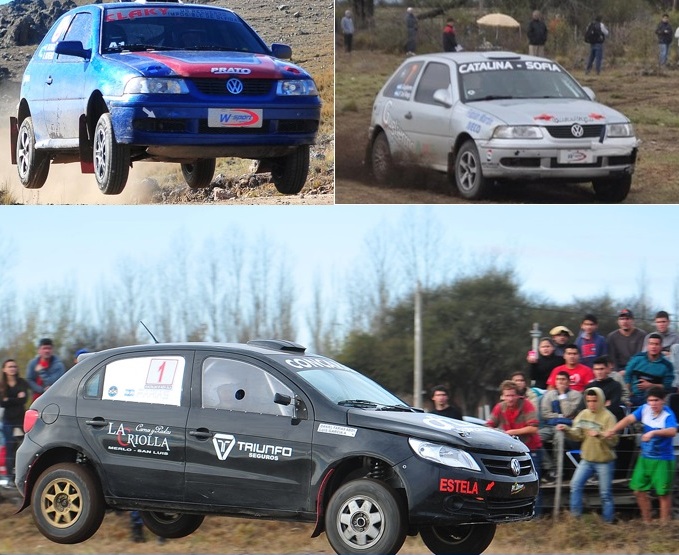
(558, 251)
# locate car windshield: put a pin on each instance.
(349, 388)
(126, 29)
(518, 80)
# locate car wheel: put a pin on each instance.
(199, 174)
(171, 525)
(612, 190)
(469, 539)
(111, 160)
(381, 161)
(469, 174)
(67, 503)
(33, 165)
(365, 516)
(290, 172)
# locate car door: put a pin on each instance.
(65, 84)
(132, 412)
(429, 124)
(243, 450)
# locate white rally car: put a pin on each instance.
(484, 117)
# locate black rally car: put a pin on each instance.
(262, 430)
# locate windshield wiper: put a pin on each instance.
(399, 408)
(490, 97)
(357, 403)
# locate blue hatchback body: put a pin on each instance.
(115, 83)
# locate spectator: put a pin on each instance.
(449, 38)
(561, 336)
(595, 35)
(591, 343)
(662, 327)
(654, 468)
(543, 362)
(45, 369)
(13, 394)
(517, 416)
(613, 389)
(557, 406)
(411, 30)
(347, 24)
(626, 341)
(77, 354)
(519, 378)
(597, 455)
(579, 373)
(537, 35)
(647, 369)
(664, 33)
(442, 406)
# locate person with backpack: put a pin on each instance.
(595, 35)
(664, 34)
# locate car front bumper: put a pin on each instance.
(176, 130)
(584, 161)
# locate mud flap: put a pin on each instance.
(85, 146)
(13, 138)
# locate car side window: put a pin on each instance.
(80, 30)
(229, 384)
(92, 385)
(436, 76)
(402, 84)
(154, 379)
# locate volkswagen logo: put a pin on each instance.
(577, 130)
(235, 86)
(516, 467)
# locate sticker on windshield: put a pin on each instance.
(337, 430)
(506, 65)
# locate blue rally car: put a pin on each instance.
(111, 84)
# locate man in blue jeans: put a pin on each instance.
(597, 455)
(596, 35)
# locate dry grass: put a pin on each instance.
(228, 535)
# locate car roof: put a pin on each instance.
(465, 57)
(259, 346)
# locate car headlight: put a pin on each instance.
(155, 85)
(443, 454)
(297, 87)
(619, 130)
(517, 132)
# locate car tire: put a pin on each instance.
(471, 539)
(111, 159)
(381, 162)
(199, 174)
(365, 516)
(171, 525)
(33, 166)
(468, 173)
(289, 173)
(612, 190)
(67, 503)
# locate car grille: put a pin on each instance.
(159, 125)
(500, 466)
(565, 132)
(494, 510)
(287, 126)
(251, 87)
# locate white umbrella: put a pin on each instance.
(498, 20)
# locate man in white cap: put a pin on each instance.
(561, 336)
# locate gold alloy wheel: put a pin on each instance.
(61, 503)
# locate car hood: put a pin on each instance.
(184, 63)
(548, 111)
(435, 428)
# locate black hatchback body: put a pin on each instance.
(262, 430)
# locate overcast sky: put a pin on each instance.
(558, 251)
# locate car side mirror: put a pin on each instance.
(442, 96)
(282, 51)
(73, 48)
(590, 93)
